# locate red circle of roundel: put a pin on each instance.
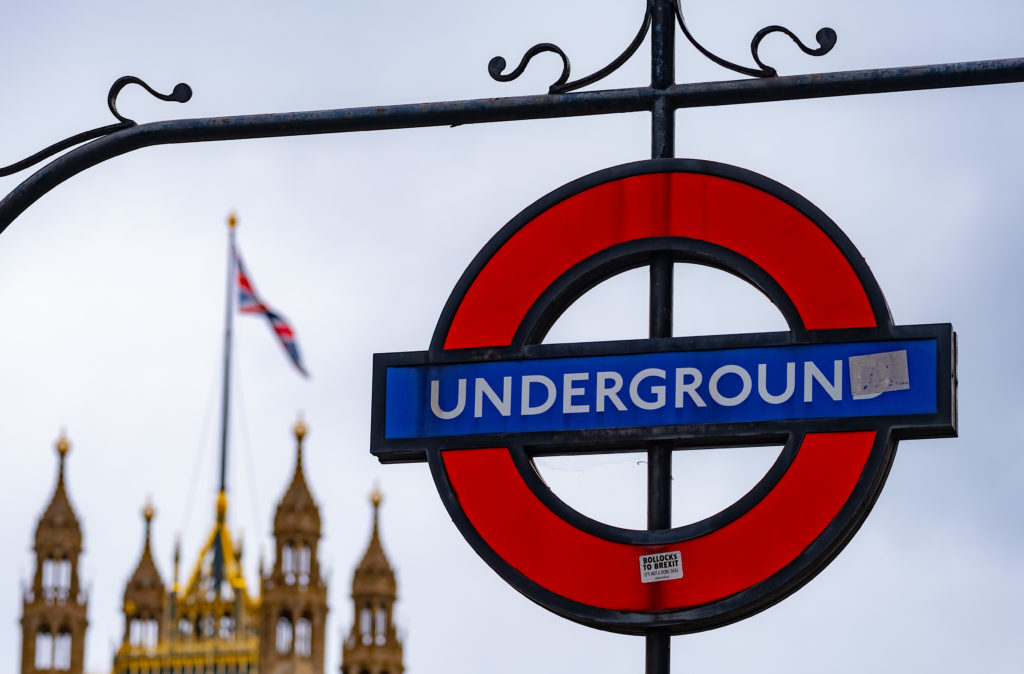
(779, 542)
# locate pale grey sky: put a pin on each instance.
(112, 291)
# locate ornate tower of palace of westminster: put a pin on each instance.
(372, 647)
(211, 624)
(53, 616)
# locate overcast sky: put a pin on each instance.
(112, 297)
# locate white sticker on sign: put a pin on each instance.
(661, 566)
(873, 374)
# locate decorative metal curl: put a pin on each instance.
(498, 64)
(181, 93)
(562, 85)
(826, 38)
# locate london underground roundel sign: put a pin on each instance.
(838, 390)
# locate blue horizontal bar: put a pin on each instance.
(642, 390)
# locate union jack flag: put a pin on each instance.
(250, 303)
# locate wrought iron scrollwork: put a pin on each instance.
(181, 93)
(498, 64)
(562, 85)
(826, 38)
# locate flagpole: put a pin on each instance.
(228, 316)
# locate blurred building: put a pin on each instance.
(211, 623)
(372, 647)
(53, 614)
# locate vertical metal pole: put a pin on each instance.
(659, 455)
(658, 650)
(663, 75)
(225, 393)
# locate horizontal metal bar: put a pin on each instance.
(480, 111)
(376, 118)
(847, 83)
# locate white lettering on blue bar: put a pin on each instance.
(663, 388)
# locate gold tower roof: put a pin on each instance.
(218, 567)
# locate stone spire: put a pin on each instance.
(372, 646)
(297, 513)
(144, 596)
(293, 613)
(53, 619)
(58, 530)
(374, 574)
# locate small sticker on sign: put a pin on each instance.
(661, 566)
(873, 374)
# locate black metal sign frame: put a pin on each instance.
(508, 298)
(661, 98)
